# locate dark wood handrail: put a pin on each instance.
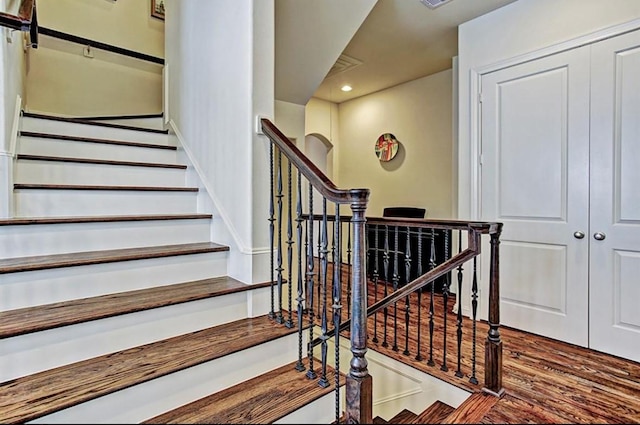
(315, 176)
(21, 21)
(418, 283)
(425, 223)
(99, 45)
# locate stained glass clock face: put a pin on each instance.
(386, 147)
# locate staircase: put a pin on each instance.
(434, 414)
(115, 304)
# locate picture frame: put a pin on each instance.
(157, 9)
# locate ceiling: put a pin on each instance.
(400, 41)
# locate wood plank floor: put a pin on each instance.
(261, 400)
(545, 380)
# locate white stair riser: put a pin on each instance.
(321, 410)
(62, 202)
(48, 239)
(77, 149)
(144, 401)
(57, 172)
(39, 125)
(31, 353)
(38, 287)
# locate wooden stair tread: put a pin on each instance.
(379, 420)
(405, 416)
(49, 316)
(95, 140)
(40, 262)
(102, 187)
(98, 161)
(260, 400)
(30, 397)
(99, 219)
(472, 410)
(435, 413)
(94, 123)
(122, 117)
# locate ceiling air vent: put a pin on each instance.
(432, 4)
(343, 63)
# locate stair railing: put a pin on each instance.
(18, 17)
(22, 17)
(328, 262)
(358, 380)
(407, 282)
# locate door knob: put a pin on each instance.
(578, 234)
(599, 236)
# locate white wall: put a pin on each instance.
(322, 118)
(419, 114)
(517, 29)
(63, 81)
(12, 63)
(215, 93)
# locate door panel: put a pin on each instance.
(615, 197)
(534, 179)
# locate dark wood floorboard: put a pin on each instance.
(30, 397)
(545, 380)
(99, 219)
(33, 319)
(40, 262)
(261, 400)
(405, 416)
(434, 414)
(24, 186)
(99, 124)
(98, 161)
(94, 140)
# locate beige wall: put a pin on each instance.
(61, 80)
(124, 23)
(419, 114)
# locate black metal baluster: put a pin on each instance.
(324, 260)
(279, 317)
(432, 264)
(459, 373)
(289, 322)
(337, 307)
(407, 268)
(445, 299)
(300, 299)
(385, 262)
(474, 311)
(320, 271)
(375, 280)
(396, 277)
(311, 374)
(333, 255)
(419, 271)
(271, 232)
(349, 270)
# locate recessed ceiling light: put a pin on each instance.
(432, 4)
(346, 87)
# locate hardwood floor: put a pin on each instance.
(545, 380)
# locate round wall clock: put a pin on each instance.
(386, 147)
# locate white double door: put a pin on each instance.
(560, 149)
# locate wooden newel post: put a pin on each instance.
(493, 344)
(359, 387)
